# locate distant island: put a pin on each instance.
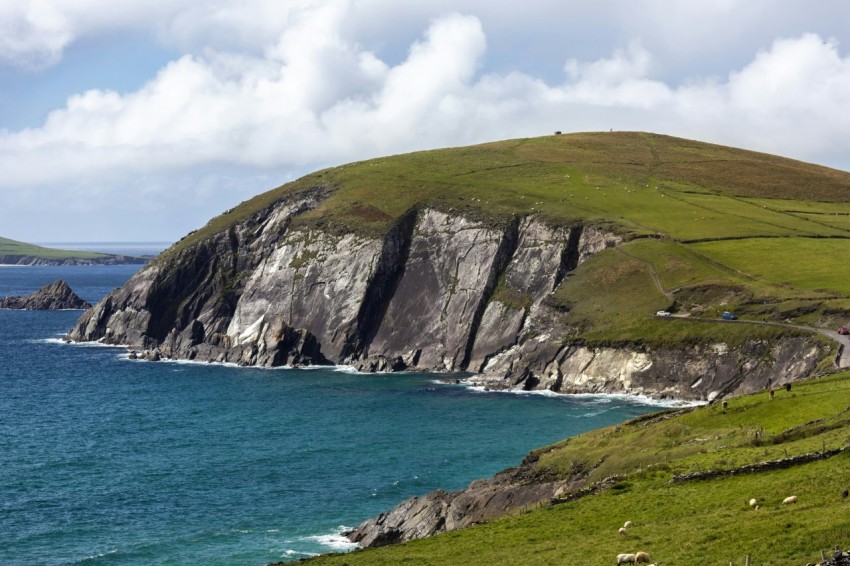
(13, 252)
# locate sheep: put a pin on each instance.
(628, 525)
(642, 557)
(771, 393)
(625, 558)
(753, 502)
(622, 531)
(791, 499)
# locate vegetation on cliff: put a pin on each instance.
(706, 228)
(682, 520)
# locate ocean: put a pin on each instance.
(104, 460)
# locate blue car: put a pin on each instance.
(729, 316)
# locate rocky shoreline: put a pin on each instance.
(438, 292)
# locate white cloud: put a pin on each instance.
(298, 85)
(32, 34)
(315, 97)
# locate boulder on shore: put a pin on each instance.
(54, 296)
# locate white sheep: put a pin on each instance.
(627, 525)
(753, 502)
(642, 558)
(625, 558)
(622, 531)
(792, 499)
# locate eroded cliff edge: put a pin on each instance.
(439, 291)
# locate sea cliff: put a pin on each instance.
(440, 291)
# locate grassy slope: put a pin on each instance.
(686, 523)
(644, 183)
(15, 248)
(731, 225)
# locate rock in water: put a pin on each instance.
(54, 296)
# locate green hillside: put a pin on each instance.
(707, 228)
(686, 522)
(14, 248)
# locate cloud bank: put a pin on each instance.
(298, 89)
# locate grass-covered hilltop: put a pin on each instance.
(535, 264)
(598, 262)
(706, 228)
(13, 252)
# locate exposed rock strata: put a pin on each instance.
(438, 292)
(53, 296)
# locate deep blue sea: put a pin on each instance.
(109, 461)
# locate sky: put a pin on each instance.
(141, 120)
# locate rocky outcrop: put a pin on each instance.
(439, 291)
(53, 296)
(438, 511)
(710, 371)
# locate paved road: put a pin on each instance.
(844, 359)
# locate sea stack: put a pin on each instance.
(54, 296)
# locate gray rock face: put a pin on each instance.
(53, 296)
(438, 511)
(450, 272)
(438, 292)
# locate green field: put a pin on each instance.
(642, 183)
(14, 248)
(697, 522)
(805, 263)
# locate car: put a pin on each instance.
(843, 330)
(662, 313)
(729, 316)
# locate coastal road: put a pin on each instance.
(844, 358)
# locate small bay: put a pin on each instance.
(112, 461)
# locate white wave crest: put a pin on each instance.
(334, 541)
(597, 398)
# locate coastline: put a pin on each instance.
(665, 403)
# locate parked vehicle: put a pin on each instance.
(843, 330)
(662, 313)
(729, 316)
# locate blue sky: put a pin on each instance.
(141, 120)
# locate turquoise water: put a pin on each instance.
(111, 461)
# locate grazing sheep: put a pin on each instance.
(771, 393)
(625, 558)
(756, 508)
(753, 502)
(642, 558)
(787, 387)
(623, 531)
(792, 499)
(628, 525)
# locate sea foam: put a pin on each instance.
(600, 398)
